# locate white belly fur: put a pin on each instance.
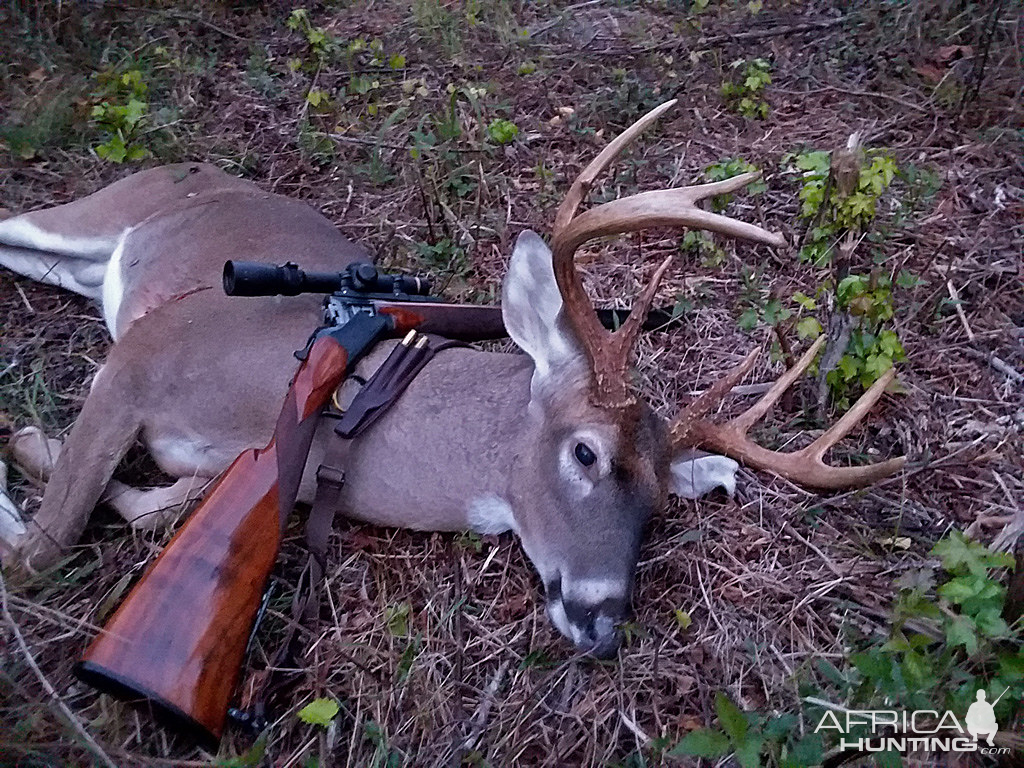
(113, 286)
(75, 263)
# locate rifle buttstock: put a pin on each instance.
(177, 642)
(178, 639)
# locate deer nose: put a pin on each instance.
(589, 611)
(595, 626)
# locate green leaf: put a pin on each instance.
(958, 553)
(397, 619)
(748, 754)
(731, 717)
(408, 659)
(805, 301)
(135, 152)
(135, 111)
(831, 673)
(683, 619)
(297, 18)
(808, 328)
(849, 367)
(747, 320)
(916, 666)
(850, 287)
(682, 307)
(316, 97)
(1011, 664)
(889, 343)
(876, 365)
(779, 727)
(319, 712)
(907, 279)
(705, 742)
(808, 751)
(991, 624)
(113, 150)
(774, 312)
(873, 664)
(502, 131)
(815, 162)
(960, 589)
(960, 631)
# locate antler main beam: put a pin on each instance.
(805, 467)
(609, 353)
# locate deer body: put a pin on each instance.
(199, 376)
(178, 336)
(551, 444)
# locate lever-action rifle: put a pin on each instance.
(177, 642)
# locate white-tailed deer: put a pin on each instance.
(553, 445)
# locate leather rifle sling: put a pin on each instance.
(372, 401)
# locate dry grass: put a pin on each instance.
(772, 578)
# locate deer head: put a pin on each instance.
(597, 460)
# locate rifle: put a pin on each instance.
(184, 664)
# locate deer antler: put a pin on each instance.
(806, 466)
(609, 352)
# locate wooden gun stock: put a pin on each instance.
(177, 642)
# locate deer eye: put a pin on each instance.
(584, 454)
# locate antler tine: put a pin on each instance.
(756, 412)
(660, 208)
(608, 353)
(680, 430)
(631, 327)
(723, 187)
(805, 466)
(849, 420)
(581, 187)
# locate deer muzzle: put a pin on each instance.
(589, 612)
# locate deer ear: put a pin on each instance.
(531, 306)
(694, 474)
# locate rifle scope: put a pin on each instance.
(253, 278)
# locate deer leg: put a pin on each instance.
(35, 454)
(156, 507)
(12, 527)
(99, 439)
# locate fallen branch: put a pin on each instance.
(754, 34)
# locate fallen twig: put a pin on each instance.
(30, 660)
(484, 708)
(996, 362)
(955, 296)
